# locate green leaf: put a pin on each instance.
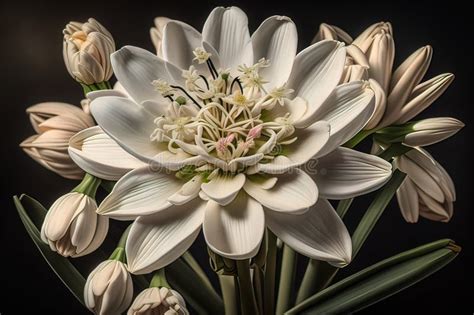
(32, 214)
(380, 281)
(195, 291)
(375, 210)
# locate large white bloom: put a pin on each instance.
(224, 136)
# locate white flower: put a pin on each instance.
(72, 227)
(86, 51)
(55, 124)
(226, 179)
(427, 190)
(432, 130)
(158, 301)
(109, 288)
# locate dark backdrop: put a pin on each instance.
(32, 71)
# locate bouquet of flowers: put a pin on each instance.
(245, 138)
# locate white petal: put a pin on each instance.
(310, 142)
(317, 71)
(227, 31)
(140, 192)
(157, 240)
(407, 198)
(136, 69)
(318, 233)
(294, 192)
(421, 176)
(346, 173)
(179, 42)
(224, 188)
(276, 39)
(97, 154)
(175, 161)
(189, 191)
(100, 93)
(129, 124)
(347, 110)
(236, 230)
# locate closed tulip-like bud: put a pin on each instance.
(381, 55)
(423, 95)
(333, 32)
(380, 105)
(158, 301)
(55, 124)
(109, 288)
(405, 78)
(72, 228)
(86, 51)
(156, 33)
(432, 130)
(366, 38)
(427, 190)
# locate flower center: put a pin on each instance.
(222, 114)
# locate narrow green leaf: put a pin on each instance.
(194, 265)
(184, 280)
(375, 210)
(32, 215)
(380, 281)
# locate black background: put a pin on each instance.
(32, 71)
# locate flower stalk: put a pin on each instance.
(248, 303)
(270, 271)
(287, 277)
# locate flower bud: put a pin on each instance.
(366, 38)
(72, 228)
(333, 32)
(381, 55)
(159, 301)
(156, 34)
(427, 191)
(432, 130)
(423, 95)
(109, 288)
(86, 51)
(55, 124)
(356, 66)
(404, 80)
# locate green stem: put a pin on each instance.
(343, 206)
(88, 185)
(228, 294)
(123, 238)
(358, 138)
(247, 296)
(287, 276)
(396, 149)
(118, 254)
(159, 280)
(258, 281)
(318, 275)
(375, 210)
(270, 271)
(194, 265)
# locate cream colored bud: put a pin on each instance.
(404, 80)
(156, 34)
(55, 124)
(356, 67)
(381, 55)
(158, 301)
(86, 51)
(333, 32)
(366, 38)
(423, 96)
(109, 288)
(72, 228)
(432, 130)
(427, 191)
(380, 105)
